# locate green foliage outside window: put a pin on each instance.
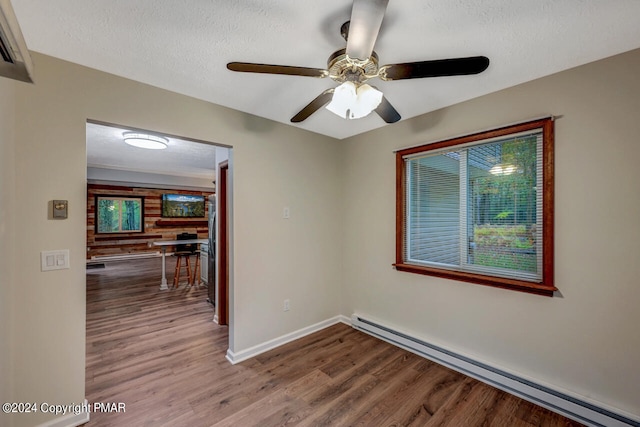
(503, 204)
(119, 214)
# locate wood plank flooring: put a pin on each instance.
(160, 353)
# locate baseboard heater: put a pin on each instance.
(126, 256)
(576, 408)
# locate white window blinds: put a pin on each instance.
(477, 208)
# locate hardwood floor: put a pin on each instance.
(160, 354)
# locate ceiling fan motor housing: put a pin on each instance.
(342, 68)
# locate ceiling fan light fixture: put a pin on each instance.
(344, 96)
(368, 100)
(143, 140)
(354, 102)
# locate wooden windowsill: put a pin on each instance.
(499, 282)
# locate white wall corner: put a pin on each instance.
(250, 352)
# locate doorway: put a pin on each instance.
(114, 172)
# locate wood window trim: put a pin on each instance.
(546, 286)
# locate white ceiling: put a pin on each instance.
(184, 46)
(106, 149)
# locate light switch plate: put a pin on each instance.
(54, 260)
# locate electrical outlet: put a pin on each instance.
(286, 212)
(286, 306)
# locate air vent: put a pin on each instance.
(16, 60)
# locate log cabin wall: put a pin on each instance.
(155, 226)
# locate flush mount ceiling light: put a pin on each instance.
(143, 140)
(351, 101)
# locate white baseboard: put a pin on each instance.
(579, 408)
(276, 342)
(69, 420)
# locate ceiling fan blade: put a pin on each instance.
(387, 112)
(437, 68)
(321, 100)
(366, 18)
(247, 67)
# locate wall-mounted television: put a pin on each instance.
(182, 206)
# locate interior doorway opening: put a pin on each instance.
(189, 166)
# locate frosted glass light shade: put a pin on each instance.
(368, 99)
(354, 102)
(344, 96)
(143, 140)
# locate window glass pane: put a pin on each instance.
(131, 215)
(433, 210)
(502, 202)
(476, 209)
(118, 215)
(108, 215)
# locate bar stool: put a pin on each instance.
(196, 270)
(187, 264)
(184, 251)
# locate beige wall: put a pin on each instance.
(341, 196)
(273, 166)
(586, 340)
(7, 253)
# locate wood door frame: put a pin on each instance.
(222, 305)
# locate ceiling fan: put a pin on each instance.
(357, 63)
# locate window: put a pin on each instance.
(479, 208)
(119, 214)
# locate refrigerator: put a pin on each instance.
(211, 258)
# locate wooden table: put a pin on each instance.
(164, 244)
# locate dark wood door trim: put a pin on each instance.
(223, 246)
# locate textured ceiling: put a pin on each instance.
(184, 46)
(106, 149)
